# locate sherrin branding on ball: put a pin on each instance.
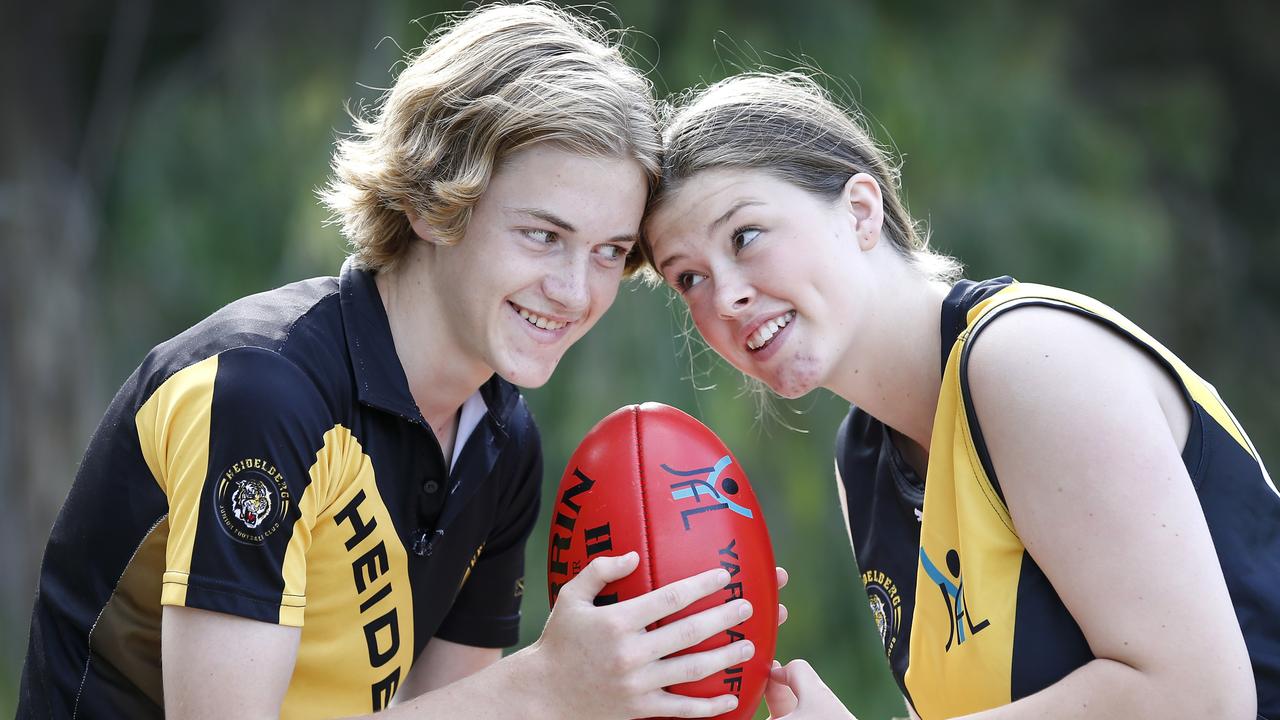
(652, 479)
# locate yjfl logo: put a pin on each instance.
(705, 487)
(958, 610)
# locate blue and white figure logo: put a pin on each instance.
(706, 484)
(959, 612)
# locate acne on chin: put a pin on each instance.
(800, 376)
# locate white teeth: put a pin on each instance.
(540, 321)
(766, 332)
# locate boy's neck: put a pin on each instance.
(440, 375)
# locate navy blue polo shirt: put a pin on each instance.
(271, 463)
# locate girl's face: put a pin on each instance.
(773, 275)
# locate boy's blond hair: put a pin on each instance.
(492, 82)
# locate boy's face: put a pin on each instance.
(540, 262)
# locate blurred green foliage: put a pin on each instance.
(1103, 150)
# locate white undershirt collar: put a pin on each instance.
(468, 418)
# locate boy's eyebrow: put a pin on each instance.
(546, 216)
(550, 217)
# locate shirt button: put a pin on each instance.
(431, 486)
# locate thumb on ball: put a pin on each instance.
(803, 679)
(780, 699)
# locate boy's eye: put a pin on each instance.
(541, 236)
(613, 252)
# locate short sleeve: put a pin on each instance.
(486, 612)
(233, 442)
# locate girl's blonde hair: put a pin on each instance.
(786, 124)
(495, 81)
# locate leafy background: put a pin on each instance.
(159, 160)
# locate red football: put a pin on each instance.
(652, 479)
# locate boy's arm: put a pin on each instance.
(443, 662)
(217, 665)
(591, 662)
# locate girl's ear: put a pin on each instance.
(861, 198)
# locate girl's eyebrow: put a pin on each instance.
(663, 265)
(729, 213)
(711, 228)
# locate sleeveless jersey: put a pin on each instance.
(968, 619)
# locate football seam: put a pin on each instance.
(644, 500)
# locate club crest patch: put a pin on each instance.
(886, 607)
(251, 500)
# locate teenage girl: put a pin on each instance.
(1054, 516)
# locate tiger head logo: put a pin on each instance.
(881, 617)
(251, 502)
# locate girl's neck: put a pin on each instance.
(892, 369)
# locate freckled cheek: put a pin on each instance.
(715, 331)
(604, 290)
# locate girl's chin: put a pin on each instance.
(799, 377)
(789, 391)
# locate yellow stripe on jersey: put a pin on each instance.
(173, 432)
(1201, 391)
(333, 461)
(378, 658)
(964, 517)
(293, 600)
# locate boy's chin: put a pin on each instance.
(528, 378)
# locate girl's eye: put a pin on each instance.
(543, 237)
(686, 280)
(743, 237)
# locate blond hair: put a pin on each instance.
(492, 82)
(786, 124)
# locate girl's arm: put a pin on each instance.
(1085, 431)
